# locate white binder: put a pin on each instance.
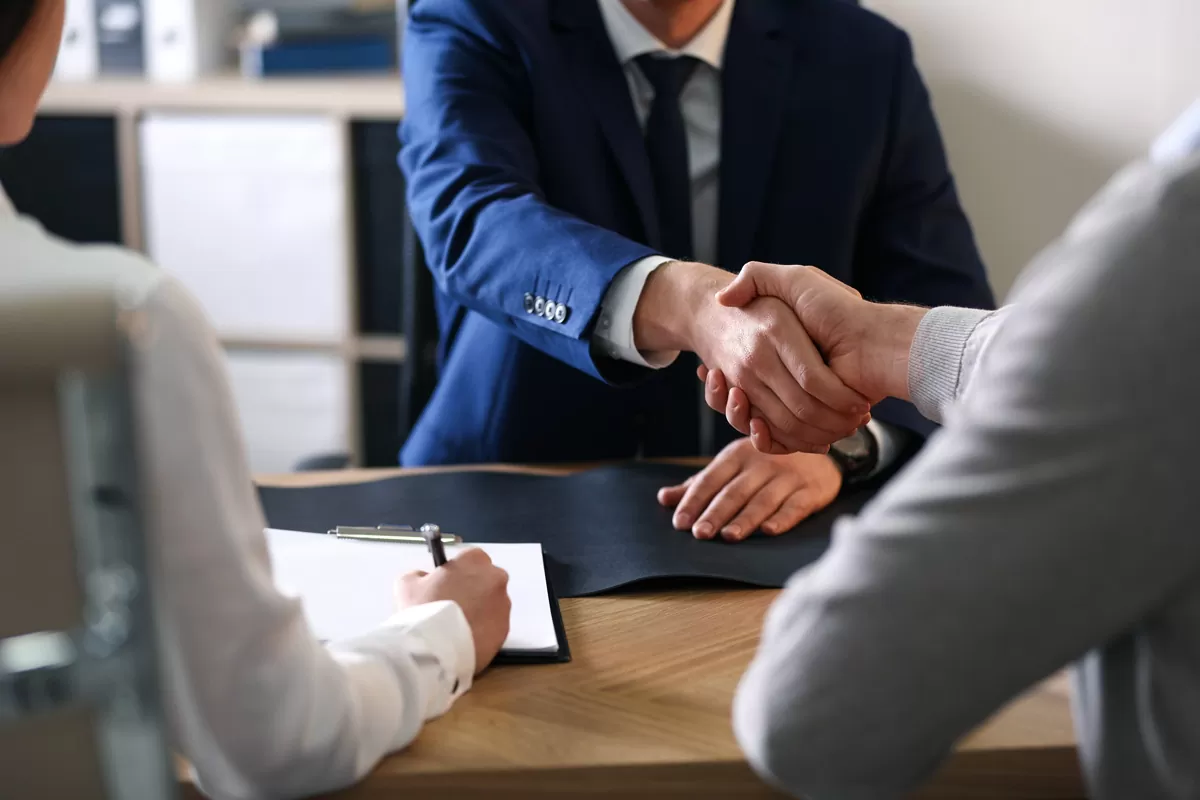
(291, 405)
(186, 39)
(79, 56)
(251, 213)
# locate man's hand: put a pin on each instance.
(865, 344)
(481, 591)
(720, 395)
(743, 490)
(761, 347)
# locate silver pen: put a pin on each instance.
(403, 534)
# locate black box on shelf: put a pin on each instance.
(73, 157)
(379, 226)
(379, 388)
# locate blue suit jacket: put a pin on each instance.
(527, 174)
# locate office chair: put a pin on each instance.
(80, 710)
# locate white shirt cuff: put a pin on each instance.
(443, 629)
(614, 329)
(1180, 140)
(438, 638)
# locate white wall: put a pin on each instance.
(1041, 100)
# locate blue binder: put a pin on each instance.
(333, 55)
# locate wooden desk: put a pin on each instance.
(643, 711)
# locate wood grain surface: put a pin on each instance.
(366, 97)
(643, 711)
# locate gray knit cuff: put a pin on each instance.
(935, 359)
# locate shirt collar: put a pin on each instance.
(1180, 140)
(6, 206)
(631, 40)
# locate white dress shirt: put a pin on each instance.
(257, 705)
(1181, 139)
(700, 103)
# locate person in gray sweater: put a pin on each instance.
(1053, 521)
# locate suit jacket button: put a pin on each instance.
(529, 301)
(539, 305)
(560, 313)
(550, 308)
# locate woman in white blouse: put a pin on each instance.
(258, 706)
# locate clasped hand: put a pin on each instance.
(760, 345)
(796, 356)
(863, 346)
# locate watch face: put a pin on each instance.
(856, 455)
(855, 446)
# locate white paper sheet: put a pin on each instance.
(347, 586)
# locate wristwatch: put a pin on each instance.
(857, 455)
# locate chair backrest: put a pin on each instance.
(80, 710)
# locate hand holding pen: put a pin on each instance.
(470, 580)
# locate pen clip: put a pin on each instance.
(401, 534)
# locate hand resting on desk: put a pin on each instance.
(743, 490)
(478, 587)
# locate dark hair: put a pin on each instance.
(14, 16)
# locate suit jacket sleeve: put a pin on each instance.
(916, 244)
(490, 236)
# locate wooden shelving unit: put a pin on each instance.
(345, 100)
(371, 97)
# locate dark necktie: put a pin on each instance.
(666, 145)
(673, 425)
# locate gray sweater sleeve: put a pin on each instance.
(944, 355)
(1003, 551)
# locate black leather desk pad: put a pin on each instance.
(602, 530)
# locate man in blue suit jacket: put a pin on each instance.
(544, 183)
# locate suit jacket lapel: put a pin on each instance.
(756, 78)
(601, 83)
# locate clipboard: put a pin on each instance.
(344, 582)
(563, 655)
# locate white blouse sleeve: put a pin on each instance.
(259, 707)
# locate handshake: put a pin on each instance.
(793, 357)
